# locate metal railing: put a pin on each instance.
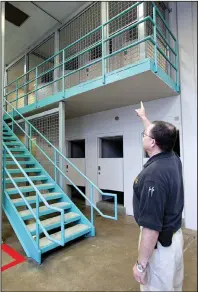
(39, 198)
(153, 38)
(57, 170)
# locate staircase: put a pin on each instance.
(41, 214)
(25, 179)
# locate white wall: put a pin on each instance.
(183, 22)
(188, 66)
(101, 124)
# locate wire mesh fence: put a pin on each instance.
(48, 126)
(82, 50)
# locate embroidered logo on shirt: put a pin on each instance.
(151, 191)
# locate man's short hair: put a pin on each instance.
(165, 135)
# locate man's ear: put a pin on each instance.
(153, 143)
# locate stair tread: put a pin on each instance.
(29, 187)
(68, 232)
(38, 177)
(31, 227)
(19, 156)
(17, 170)
(20, 162)
(43, 208)
(29, 198)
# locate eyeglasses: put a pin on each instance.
(144, 134)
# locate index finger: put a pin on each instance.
(141, 103)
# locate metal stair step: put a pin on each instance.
(70, 234)
(23, 179)
(47, 186)
(20, 162)
(54, 222)
(19, 156)
(25, 169)
(17, 149)
(12, 138)
(14, 143)
(7, 134)
(44, 210)
(32, 199)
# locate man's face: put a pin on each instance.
(148, 141)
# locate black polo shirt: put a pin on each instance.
(158, 198)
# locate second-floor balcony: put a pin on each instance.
(114, 67)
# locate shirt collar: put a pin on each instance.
(157, 157)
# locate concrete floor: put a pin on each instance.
(101, 263)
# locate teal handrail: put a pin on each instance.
(38, 196)
(56, 168)
(103, 40)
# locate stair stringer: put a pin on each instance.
(65, 198)
(22, 233)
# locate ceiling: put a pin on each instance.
(37, 26)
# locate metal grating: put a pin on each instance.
(148, 10)
(14, 72)
(128, 56)
(73, 31)
(18, 132)
(49, 127)
(40, 54)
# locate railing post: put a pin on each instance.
(30, 140)
(116, 208)
(37, 218)
(62, 228)
(12, 120)
(63, 78)
(155, 37)
(176, 65)
(55, 170)
(17, 94)
(36, 90)
(103, 54)
(3, 170)
(91, 199)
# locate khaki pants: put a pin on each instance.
(165, 271)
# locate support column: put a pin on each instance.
(141, 30)
(62, 145)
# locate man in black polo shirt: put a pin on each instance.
(158, 202)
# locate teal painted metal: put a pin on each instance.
(55, 164)
(92, 210)
(177, 65)
(10, 209)
(36, 90)
(38, 195)
(116, 75)
(164, 21)
(155, 38)
(63, 75)
(105, 56)
(20, 230)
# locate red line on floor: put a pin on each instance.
(13, 254)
